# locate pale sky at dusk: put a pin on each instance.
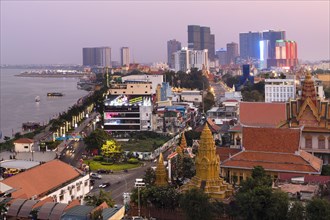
(54, 32)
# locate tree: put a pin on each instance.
(111, 149)
(196, 205)
(318, 209)
(189, 169)
(208, 101)
(296, 212)
(96, 200)
(96, 139)
(257, 200)
(149, 177)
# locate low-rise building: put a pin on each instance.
(55, 179)
(23, 145)
(277, 150)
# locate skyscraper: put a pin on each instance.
(222, 56)
(232, 52)
(272, 37)
(200, 38)
(97, 56)
(172, 46)
(185, 59)
(124, 56)
(249, 45)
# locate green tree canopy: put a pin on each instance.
(96, 139)
(98, 199)
(318, 209)
(297, 211)
(256, 199)
(196, 205)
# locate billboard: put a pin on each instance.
(129, 100)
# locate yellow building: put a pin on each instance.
(208, 169)
(161, 179)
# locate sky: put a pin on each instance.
(54, 32)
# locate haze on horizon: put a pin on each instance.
(54, 32)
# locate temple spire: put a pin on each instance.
(308, 89)
(208, 169)
(161, 172)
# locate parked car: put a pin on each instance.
(95, 176)
(104, 185)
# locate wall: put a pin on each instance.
(21, 147)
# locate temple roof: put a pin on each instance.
(262, 113)
(212, 126)
(275, 149)
(308, 89)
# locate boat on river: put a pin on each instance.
(37, 99)
(54, 94)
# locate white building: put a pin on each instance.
(23, 145)
(55, 179)
(154, 79)
(279, 90)
(186, 59)
(124, 56)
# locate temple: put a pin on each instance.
(161, 172)
(208, 169)
(313, 115)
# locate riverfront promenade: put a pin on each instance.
(47, 155)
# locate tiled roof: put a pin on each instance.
(41, 179)
(307, 178)
(236, 128)
(24, 141)
(226, 152)
(262, 114)
(213, 127)
(283, 140)
(279, 162)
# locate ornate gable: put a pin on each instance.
(308, 114)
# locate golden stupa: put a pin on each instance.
(183, 145)
(161, 178)
(208, 169)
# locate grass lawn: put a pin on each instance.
(142, 145)
(95, 165)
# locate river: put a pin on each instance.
(17, 99)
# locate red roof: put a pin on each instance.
(24, 141)
(279, 162)
(284, 140)
(262, 114)
(226, 152)
(41, 179)
(213, 127)
(307, 178)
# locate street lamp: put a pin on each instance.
(139, 184)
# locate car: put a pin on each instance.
(104, 185)
(95, 176)
(101, 171)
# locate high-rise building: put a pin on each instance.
(185, 59)
(272, 37)
(97, 56)
(124, 56)
(222, 56)
(232, 52)
(249, 45)
(286, 53)
(200, 38)
(172, 46)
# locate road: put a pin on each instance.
(121, 182)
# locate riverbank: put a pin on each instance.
(53, 75)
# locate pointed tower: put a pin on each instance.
(308, 89)
(208, 169)
(161, 172)
(182, 146)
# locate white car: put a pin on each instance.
(95, 176)
(104, 185)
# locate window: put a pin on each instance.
(26, 147)
(308, 142)
(61, 197)
(78, 188)
(321, 143)
(86, 183)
